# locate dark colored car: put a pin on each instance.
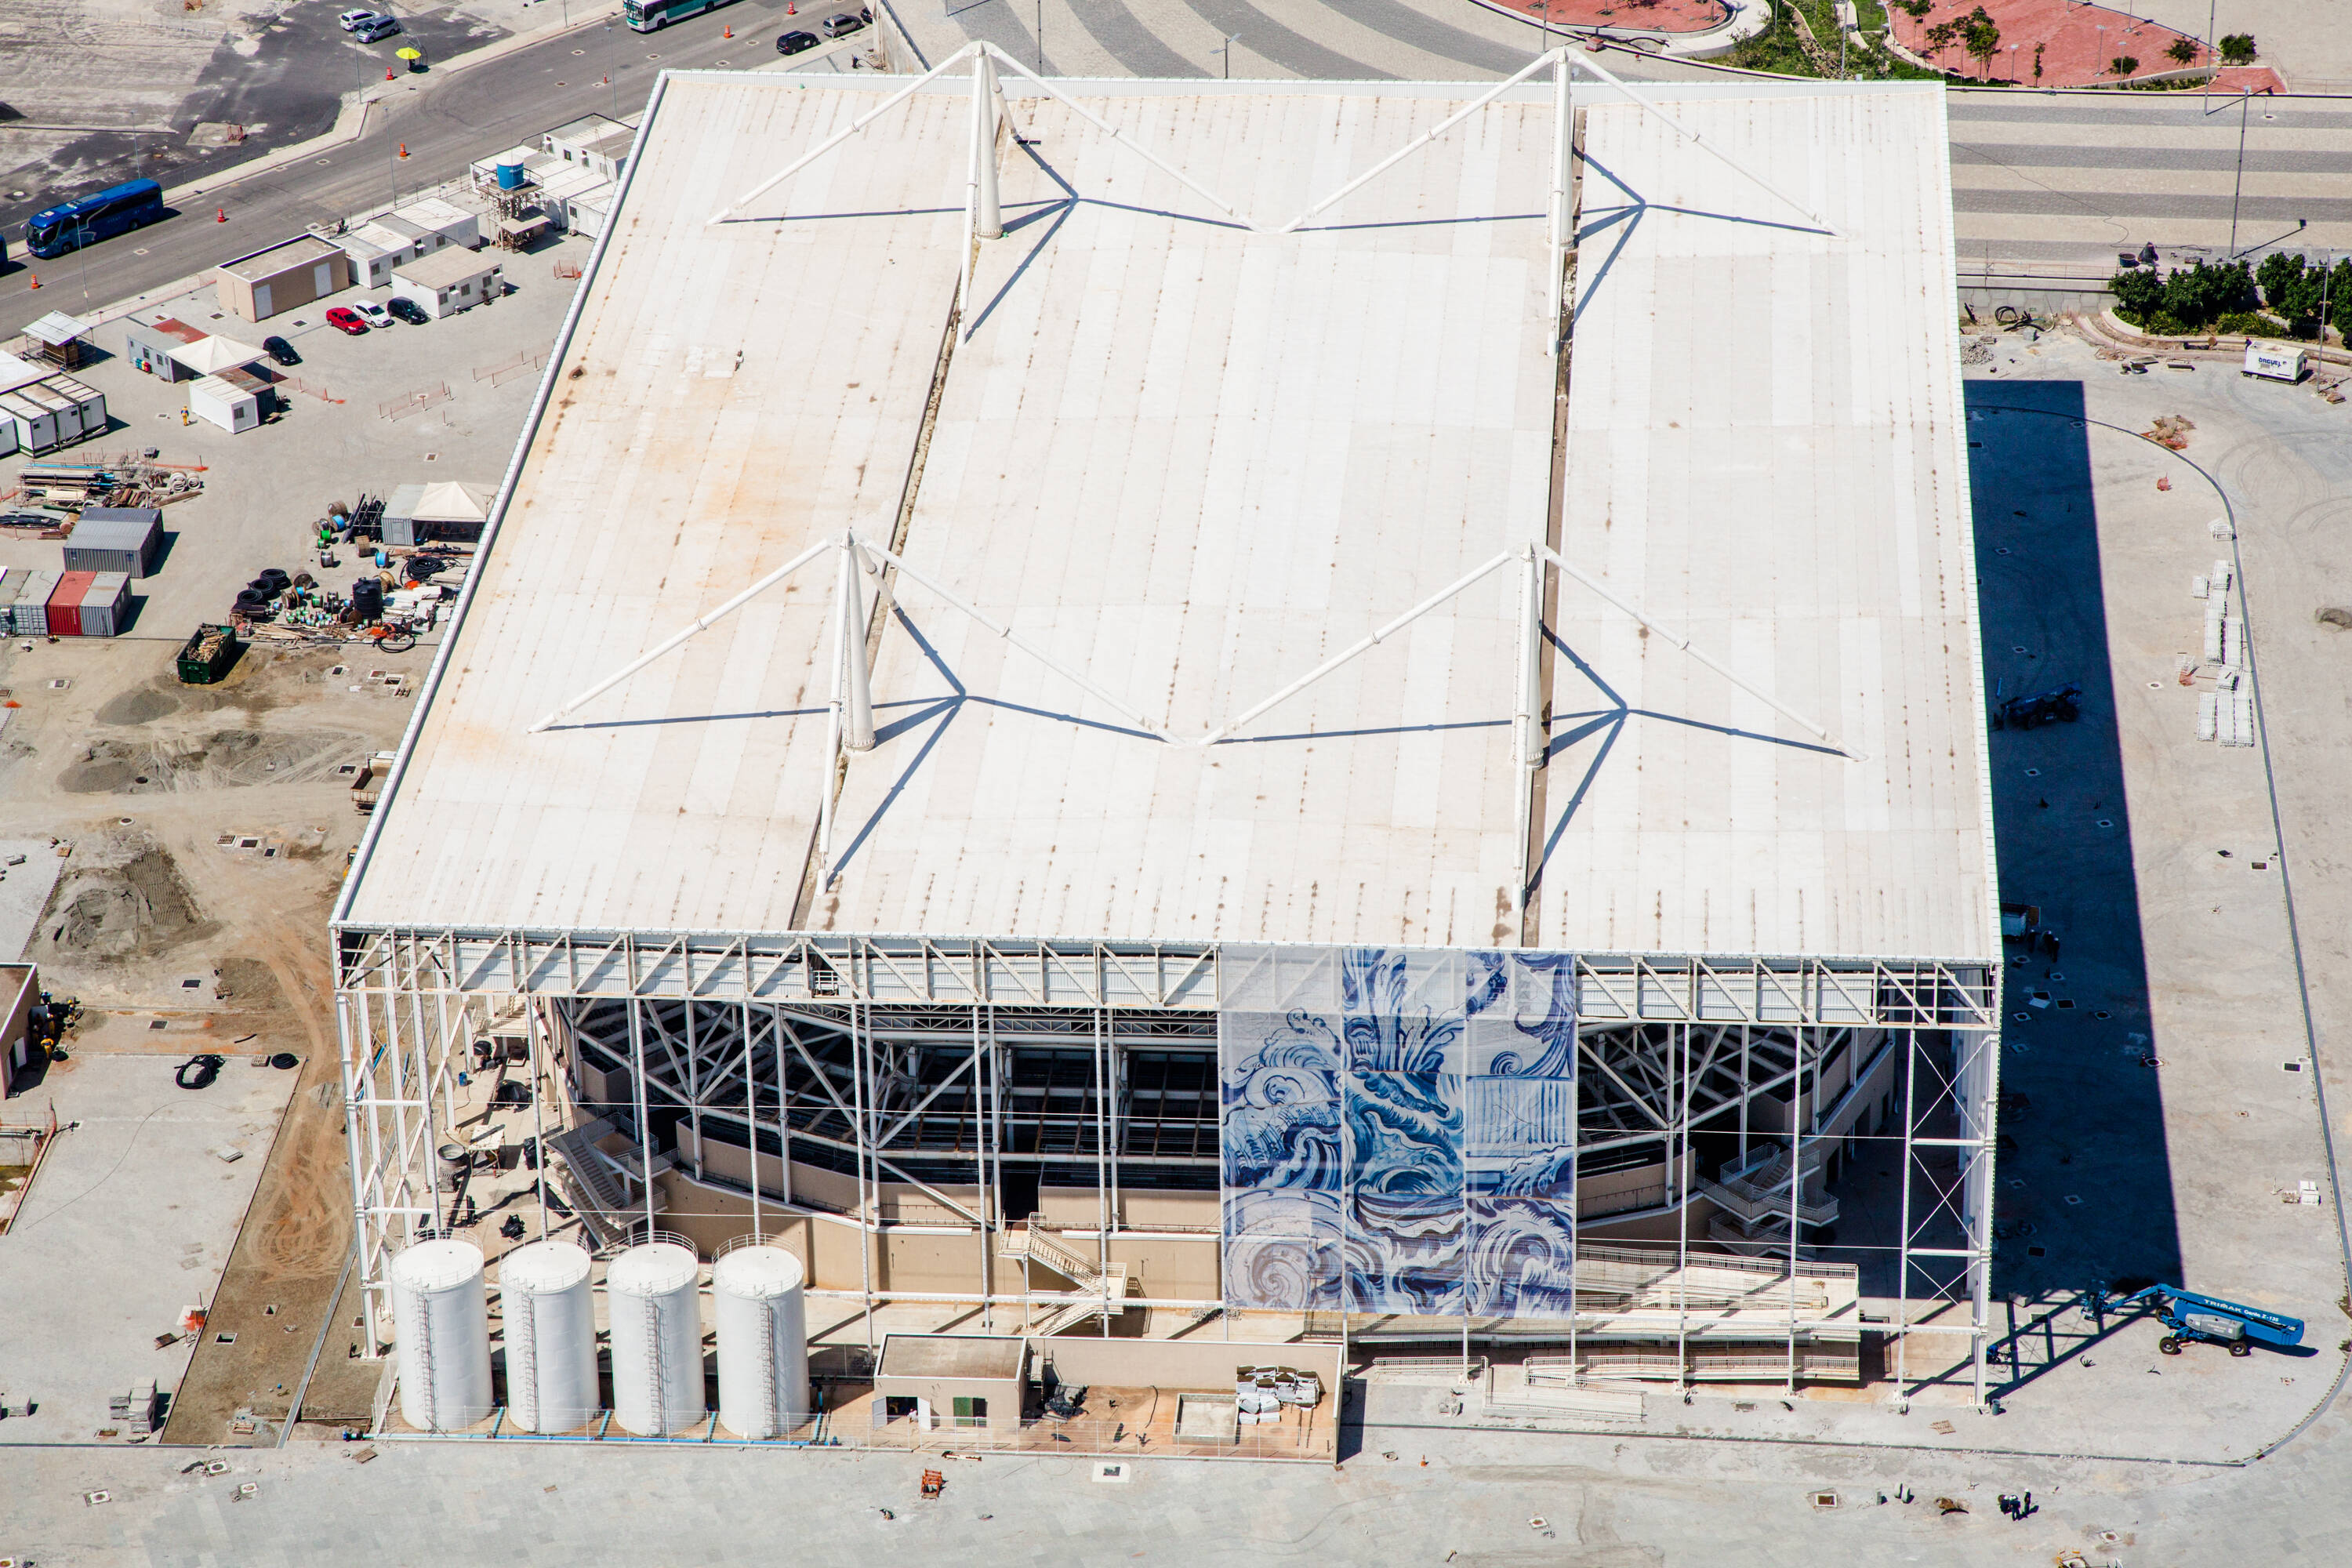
(280, 350)
(343, 320)
(407, 310)
(841, 23)
(795, 42)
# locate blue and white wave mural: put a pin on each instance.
(1399, 1130)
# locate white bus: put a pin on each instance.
(653, 15)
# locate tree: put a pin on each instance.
(2037, 60)
(2237, 49)
(2196, 295)
(2122, 65)
(1980, 38)
(2137, 293)
(2280, 276)
(2183, 51)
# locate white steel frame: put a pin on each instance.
(410, 1001)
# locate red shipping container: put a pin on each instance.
(64, 604)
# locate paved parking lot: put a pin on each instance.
(129, 1220)
(265, 489)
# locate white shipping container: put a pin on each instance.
(2274, 363)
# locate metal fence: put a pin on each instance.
(1300, 1435)
(414, 402)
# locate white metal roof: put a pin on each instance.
(447, 268)
(1194, 461)
(1767, 452)
(56, 328)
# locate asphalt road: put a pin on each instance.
(288, 92)
(2046, 188)
(444, 123)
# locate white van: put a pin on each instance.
(2275, 363)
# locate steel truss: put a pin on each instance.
(943, 1067)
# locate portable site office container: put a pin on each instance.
(106, 604)
(65, 602)
(29, 616)
(35, 428)
(116, 539)
(87, 401)
(65, 410)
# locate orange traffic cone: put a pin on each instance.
(403, 149)
(791, 9)
(220, 215)
(36, 279)
(387, 73)
(728, 33)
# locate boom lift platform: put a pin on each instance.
(2192, 1317)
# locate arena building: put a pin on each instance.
(1354, 706)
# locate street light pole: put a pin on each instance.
(1041, 37)
(2212, 49)
(1226, 53)
(2244, 101)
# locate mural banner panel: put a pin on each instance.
(1399, 1130)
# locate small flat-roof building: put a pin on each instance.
(151, 342)
(220, 401)
(960, 1381)
(265, 283)
(379, 244)
(447, 281)
(595, 142)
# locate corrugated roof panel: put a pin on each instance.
(1764, 455)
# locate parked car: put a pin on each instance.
(840, 24)
(408, 310)
(373, 314)
(793, 43)
(280, 350)
(352, 21)
(379, 27)
(342, 320)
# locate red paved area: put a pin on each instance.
(2248, 79)
(1645, 15)
(2076, 44)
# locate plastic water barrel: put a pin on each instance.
(509, 177)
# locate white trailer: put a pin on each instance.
(2275, 363)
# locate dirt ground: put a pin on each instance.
(208, 828)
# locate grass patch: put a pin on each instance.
(1781, 48)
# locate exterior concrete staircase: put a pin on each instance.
(1102, 1293)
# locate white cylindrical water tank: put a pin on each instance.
(755, 1294)
(441, 1315)
(656, 1312)
(551, 1322)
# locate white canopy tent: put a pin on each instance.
(213, 354)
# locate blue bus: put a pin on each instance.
(70, 226)
(651, 15)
